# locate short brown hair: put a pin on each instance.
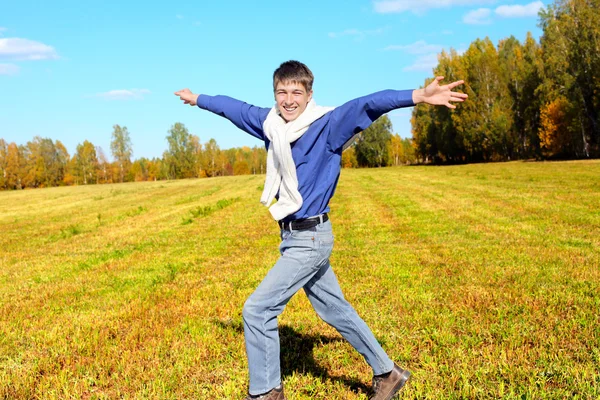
(293, 71)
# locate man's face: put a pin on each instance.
(292, 99)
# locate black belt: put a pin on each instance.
(302, 224)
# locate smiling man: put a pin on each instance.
(305, 144)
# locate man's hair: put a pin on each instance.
(293, 71)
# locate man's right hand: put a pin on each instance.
(187, 96)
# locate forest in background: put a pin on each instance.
(526, 101)
(530, 100)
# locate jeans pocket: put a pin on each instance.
(325, 246)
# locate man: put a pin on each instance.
(305, 144)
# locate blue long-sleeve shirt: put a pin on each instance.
(317, 153)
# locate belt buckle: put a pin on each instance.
(283, 224)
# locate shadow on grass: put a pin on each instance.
(297, 354)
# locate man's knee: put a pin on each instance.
(250, 310)
(256, 309)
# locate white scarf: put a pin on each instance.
(281, 170)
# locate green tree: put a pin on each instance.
(484, 120)
(104, 167)
(531, 104)
(449, 142)
(86, 163)
(211, 153)
(435, 133)
(121, 149)
(372, 145)
(512, 69)
(181, 155)
(423, 132)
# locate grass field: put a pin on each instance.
(483, 280)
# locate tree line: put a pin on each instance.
(43, 162)
(526, 100)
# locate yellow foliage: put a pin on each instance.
(553, 131)
(349, 158)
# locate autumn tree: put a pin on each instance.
(555, 137)
(154, 169)
(571, 70)
(140, 169)
(15, 164)
(401, 151)
(349, 157)
(3, 162)
(241, 165)
(258, 160)
(44, 163)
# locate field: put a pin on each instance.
(483, 280)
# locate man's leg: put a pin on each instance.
(299, 261)
(326, 297)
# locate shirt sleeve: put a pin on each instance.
(357, 115)
(245, 116)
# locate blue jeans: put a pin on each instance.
(304, 263)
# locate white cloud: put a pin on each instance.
(427, 54)
(25, 50)
(480, 16)
(2, 29)
(124, 94)
(8, 69)
(420, 47)
(423, 63)
(528, 10)
(420, 6)
(359, 34)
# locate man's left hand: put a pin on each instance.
(439, 95)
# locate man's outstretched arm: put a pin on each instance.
(247, 117)
(358, 114)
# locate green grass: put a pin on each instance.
(483, 280)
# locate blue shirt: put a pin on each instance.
(318, 152)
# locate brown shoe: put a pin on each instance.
(273, 394)
(386, 386)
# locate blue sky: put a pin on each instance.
(70, 70)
